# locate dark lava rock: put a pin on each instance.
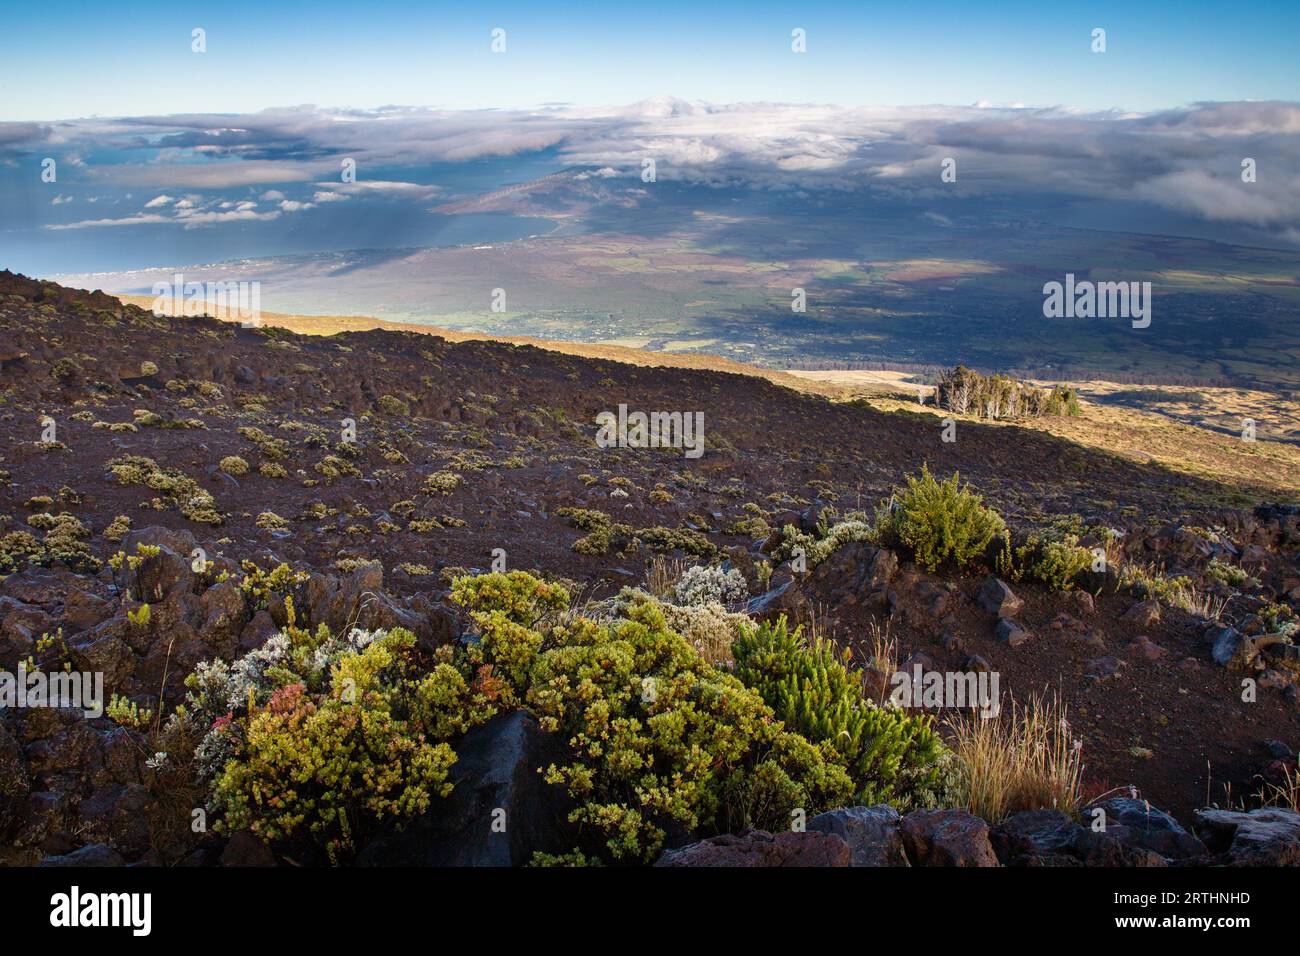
(997, 598)
(1269, 836)
(1146, 827)
(1012, 633)
(246, 850)
(870, 832)
(96, 854)
(1143, 613)
(947, 838)
(500, 812)
(760, 848)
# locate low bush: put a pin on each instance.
(321, 738)
(891, 756)
(660, 743)
(938, 522)
(704, 584)
(1055, 562)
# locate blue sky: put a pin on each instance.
(63, 60)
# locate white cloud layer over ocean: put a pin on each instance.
(1187, 161)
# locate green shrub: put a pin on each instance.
(323, 738)
(938, 522)
(659, 741)
(891, 756)
(234, 465)
(1229, 574)
(441, 483)
(1055, 562)
(178, 489)
(677, 539)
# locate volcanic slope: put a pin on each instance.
(244, 439)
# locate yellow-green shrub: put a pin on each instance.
(1055, 562)
(938, 522)
(322, 738)
(660, 743)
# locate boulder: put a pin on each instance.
(245, 849)
(1050, 838)
(870, 832)
(83, 610)
(1036, 834)
(166, 571)
(1269, 836)
(947, 838)
(1138, 824)
(104, 649)
(20, 626)
(769, 601)
(880, 570)
(1011, 633)
(1143, 613)
(997, 598)
(96, 854)
(1230, 648)
(760, 848)
(43, 586)
(117, 815)
(500, 812)
(257, 631)
(222, 609)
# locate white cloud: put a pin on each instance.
(382, 187)
(140, 220)
(1186, 160)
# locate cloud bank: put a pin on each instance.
(1188, 161)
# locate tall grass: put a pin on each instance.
(662, 575)
(883, 648)
(1023, 759)
(1285, 794)
(1199, 602)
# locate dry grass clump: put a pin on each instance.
(662, 575)
(1023, 759)
(1286, 794)
(883, 648)
(710, 628)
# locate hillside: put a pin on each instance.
(1210, 449)
(381, 463)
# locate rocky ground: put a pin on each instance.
(376, 462)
